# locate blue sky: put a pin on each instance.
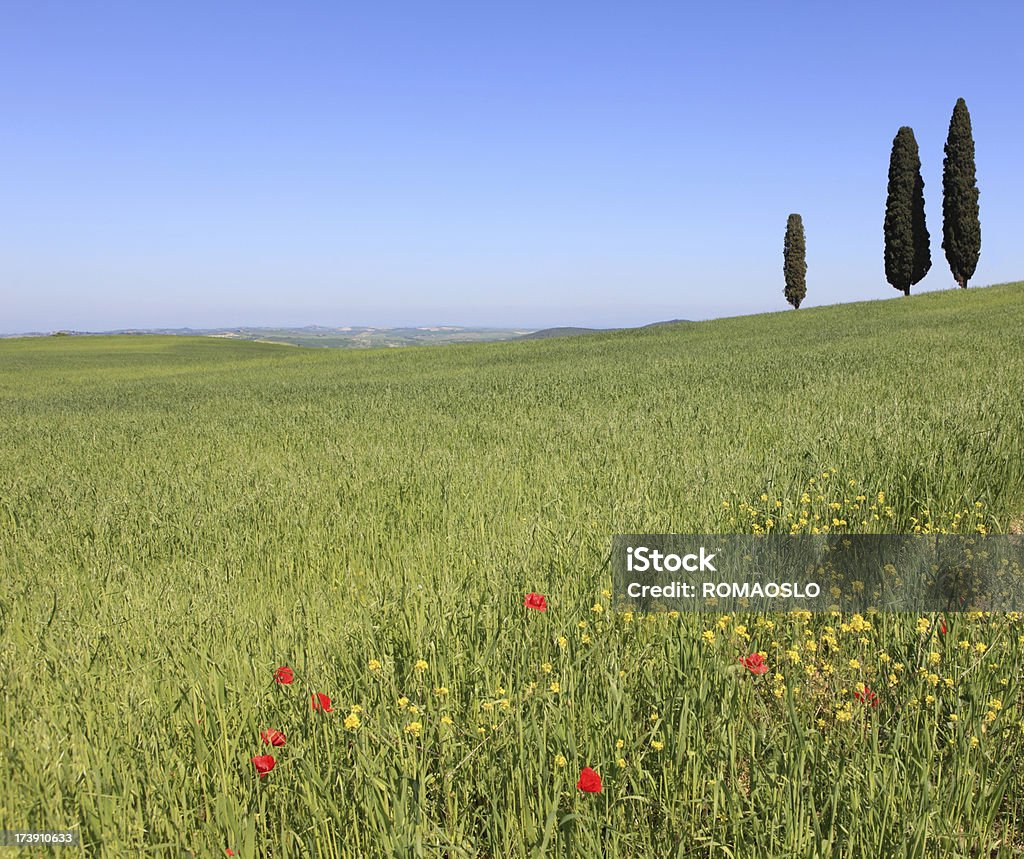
(214, 164)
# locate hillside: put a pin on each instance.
(564, 331)
(181, 516)
(893, 376)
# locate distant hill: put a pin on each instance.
(669, 322)
(566, 331)
(319, 336)
(364, 337)
(355, 337)
(570, 331)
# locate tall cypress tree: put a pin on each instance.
(907, 244)
(794, 266)
(961, 228)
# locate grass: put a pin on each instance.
(179, 517)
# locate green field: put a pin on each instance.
(179, 517)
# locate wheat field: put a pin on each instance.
(181, 518)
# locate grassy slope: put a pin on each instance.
(918, 395)
(177, 516)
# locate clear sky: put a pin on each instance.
(213, 164)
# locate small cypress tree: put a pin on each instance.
(794, 266)
(961, 228)
(907, 243)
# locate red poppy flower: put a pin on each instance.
(229, 851)
(590, 781)
(321, 702)
(866, 696)
(942, 625)
(754, 663)
(284, 675)
(263, 764)
(536, 601)
(272, 737)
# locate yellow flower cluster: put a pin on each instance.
(828, 504)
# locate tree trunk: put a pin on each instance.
(906, 292)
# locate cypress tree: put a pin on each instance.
(907, 244)
(794, 266)
(961, 228)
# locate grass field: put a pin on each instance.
(179, 518)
